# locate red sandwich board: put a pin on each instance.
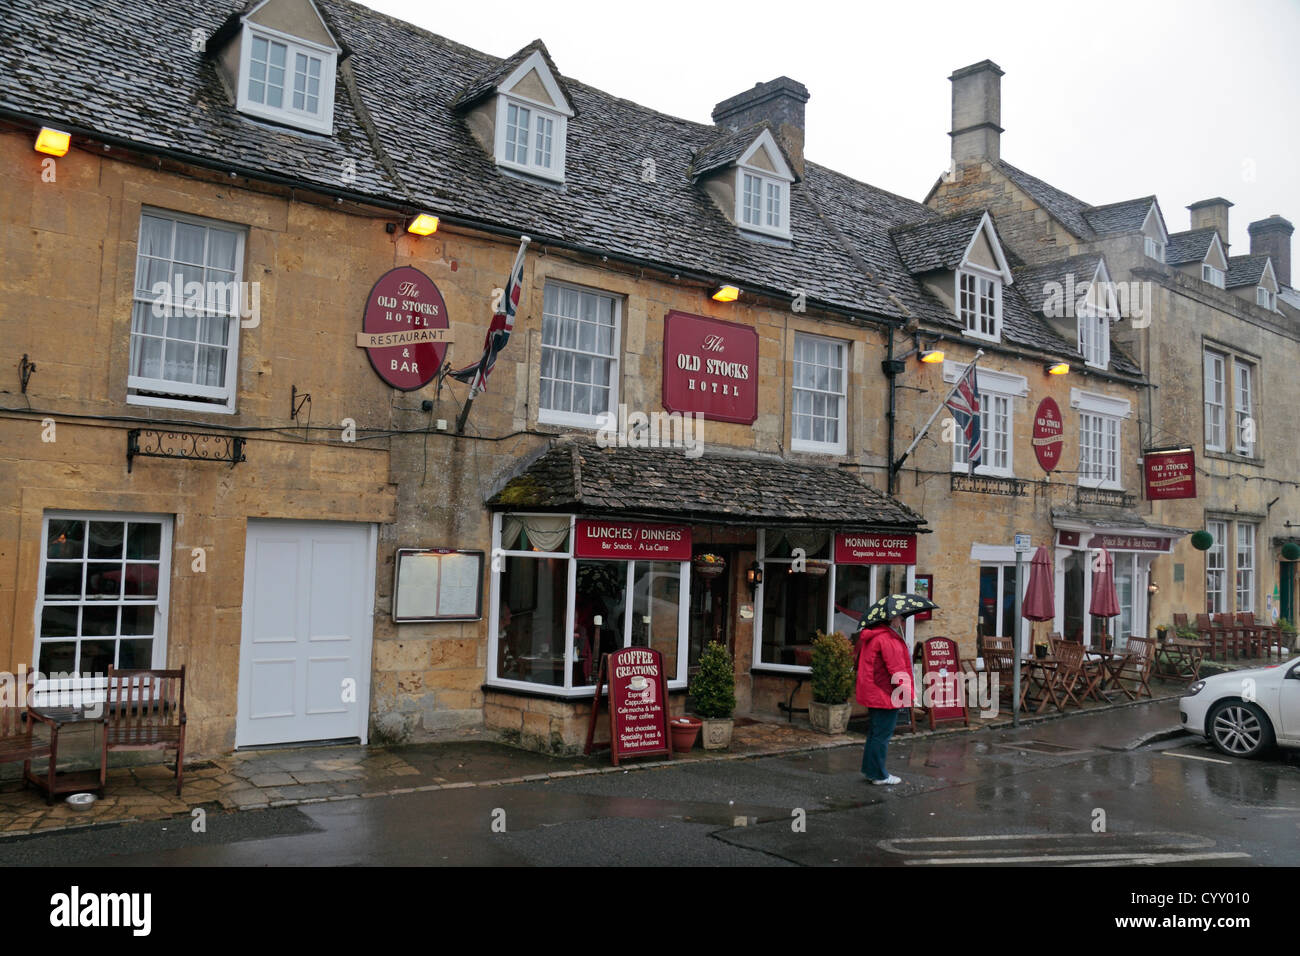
(942, 682)
(638, 704)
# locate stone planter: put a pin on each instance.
(717, 732)
(829, 718)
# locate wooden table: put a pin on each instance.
(1044, 671)
(55, 718)
(1183, 658)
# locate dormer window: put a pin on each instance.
(1213, 276)
(979, 304)
(533, 138)
(286, 79)
(762, 203)
(1266, 298)
(1155, 249)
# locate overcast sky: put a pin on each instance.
(1108, 100)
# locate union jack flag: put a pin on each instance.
(498, 333)
(964, 403)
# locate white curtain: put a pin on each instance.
(546, 533)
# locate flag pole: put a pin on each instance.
(487, 347)
(895, 466)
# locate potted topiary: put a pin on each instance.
(713, 690)
(832, 682)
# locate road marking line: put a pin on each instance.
(1178, 858)
(1066, 858)
(1170, 753)
(1160, 838)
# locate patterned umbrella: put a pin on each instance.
(895, 605)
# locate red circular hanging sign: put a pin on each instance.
(1049, 434)
(404, 329)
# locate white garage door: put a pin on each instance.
(304, 662)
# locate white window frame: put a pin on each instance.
(165, 393)
(1214, 276)
(537, 111)
(1243, 407)
(1265, 298)
(568, 689)
(808, 445)
(1216, 599)
(1105, 454)
(1102, 407)
(766, 182)
(1244, 570)
(989, 383)
(982, 280)
(1094, 323)
(159, 655)
(321, 121)
(1154, 249)
(759, 602)
(1215, 386)
(596, 420)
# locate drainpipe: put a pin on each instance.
(893, 394)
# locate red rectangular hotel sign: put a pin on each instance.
(628, 541)
(1170, 474)
(710, 367)
(873, 548)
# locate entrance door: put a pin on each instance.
(710, 607)
(304, 662)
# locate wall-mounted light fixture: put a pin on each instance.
(932, 356)
(726, 293)
(1057, 368)
(424, 224)
(753, 577)
(52, 141)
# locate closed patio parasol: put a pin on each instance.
(1040, 596)
(1104, 601)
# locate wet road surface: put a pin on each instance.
(1056, 794)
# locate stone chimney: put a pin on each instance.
(976, 113)
(1212, 212)
(778, 101)
(1272, 237)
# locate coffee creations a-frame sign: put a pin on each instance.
(638, 704)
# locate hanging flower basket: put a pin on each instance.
(816, 569)
(709, 565)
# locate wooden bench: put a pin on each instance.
(145, 710)
(17, 738)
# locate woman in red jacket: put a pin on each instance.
(884, 688)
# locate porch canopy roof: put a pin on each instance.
(719, 487)
(1116, 520)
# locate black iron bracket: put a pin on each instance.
(296, 401)
(148, 443)
(25, 369)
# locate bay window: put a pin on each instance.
(554, 612)
(826, 595)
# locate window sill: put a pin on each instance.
(179, 404)
(996, 338)
(781, 670)
(529, 172)
(1234, 457)
(811, 448)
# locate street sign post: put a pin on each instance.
(1023, 546)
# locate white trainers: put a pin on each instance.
(888, 781)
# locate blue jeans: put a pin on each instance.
(873, 754)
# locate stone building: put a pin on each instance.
(1215, 335)
(243, 455)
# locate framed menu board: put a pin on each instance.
(437, 584)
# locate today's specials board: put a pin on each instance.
(941, 679)
(638, 703)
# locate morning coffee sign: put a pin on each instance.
(872, 548)
(404, 329)
(710, 368)
(1169, 474)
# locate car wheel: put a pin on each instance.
(1239, 729)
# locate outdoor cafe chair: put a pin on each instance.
(1001, 662)
(1232, 634)
(1136, 667)
(1270, 634)
(1213, 634)
(1071, 672)
(1252, 635)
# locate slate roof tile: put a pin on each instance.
(1245, 270)
(938, 244)
(1119, 217)
(575, 474)
(1191, 246)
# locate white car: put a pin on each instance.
(1246, 712)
